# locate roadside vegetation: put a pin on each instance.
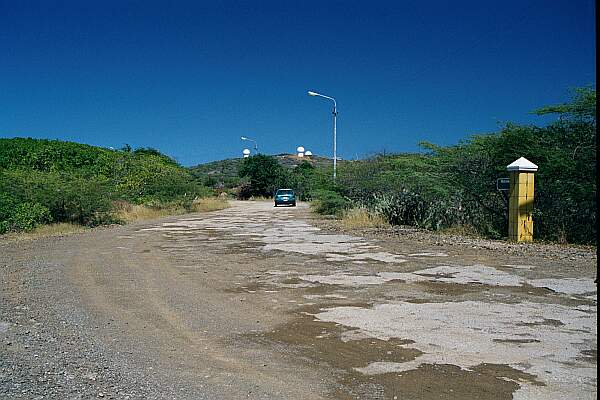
(363, 218)
(129, 212)
(210, 204)
(58, 229)
(45, 182)
(442, 188)
(453, 188)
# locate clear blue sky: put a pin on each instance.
(190, 78)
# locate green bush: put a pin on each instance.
(27, 216)
(565, 184)
(454, 186)
(68, 197)
(79, 183)
(7, 203)
(328, 202)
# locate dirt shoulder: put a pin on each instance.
(561, 258)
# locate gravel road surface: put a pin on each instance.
(257, 302)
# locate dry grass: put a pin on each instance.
(209, 204)
(128, 212)
(135, 212)
(60, 229)
(361, 218)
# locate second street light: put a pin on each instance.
(310, 93)
(251, 140)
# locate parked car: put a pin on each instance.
(285, 196)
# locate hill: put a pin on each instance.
(224, 173)
(45, 181)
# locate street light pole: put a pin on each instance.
(334, 139)
(251, 140)
(310, 93)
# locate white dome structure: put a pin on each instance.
(246, 153)
(300, 151)
(308, 153)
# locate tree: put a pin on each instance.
(565, 151)
(582, 106)
(265, 175)
(303, 177)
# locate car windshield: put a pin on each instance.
(283, 192)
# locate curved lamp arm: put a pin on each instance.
(311, 93)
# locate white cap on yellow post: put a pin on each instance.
(522, 165)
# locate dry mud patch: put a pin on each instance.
(364, 364)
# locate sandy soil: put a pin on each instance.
(273, 303)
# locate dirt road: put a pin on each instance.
(258, 302)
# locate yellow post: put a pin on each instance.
(520, 200)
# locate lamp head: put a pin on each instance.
(243, 138)
(312, 93)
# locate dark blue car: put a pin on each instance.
(285, 196)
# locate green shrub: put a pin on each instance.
(7, 204)
(78, 183)
(68, 197)
(565, 184)
(27, 216)
(328, 202)
(454, 186)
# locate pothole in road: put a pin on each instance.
(446, 381)
(457, 289)
(276, 284)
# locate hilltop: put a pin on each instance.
(225, 172)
